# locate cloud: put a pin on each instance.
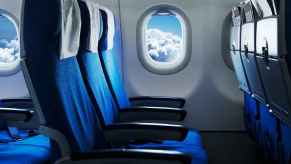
(9, 51)
(163, 46)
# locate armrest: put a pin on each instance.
(158, 101)
(152, 113)
(15, 114)
(140, 156)
(125, 133)
(17, 102)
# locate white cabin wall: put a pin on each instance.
(214, 101)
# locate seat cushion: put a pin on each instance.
(32, 150)
(269, 132)
(286, 135)
(191, 145)
(251, 117)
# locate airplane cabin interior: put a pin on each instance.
(145, 82)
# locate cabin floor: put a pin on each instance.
(231, 148)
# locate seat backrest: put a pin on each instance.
(235, 40)
(111, 54)
(56, 79)
(91, 67)
(248, 51)
(272, 59)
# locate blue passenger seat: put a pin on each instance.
(18, 146)
(273, 56)
(62, 94)
(267, 126)
(22, 145)
(270, 135)
(97, 85)
(251, 116)
(31, 150)
(286, 143)
(111, 55)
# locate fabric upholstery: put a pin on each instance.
(70, 23)
(61, 90)
(93, 21)
(191, 145)
(111, 59)
(252, 116)
(95, 80)
(33, 150)
(58, 83)
(269, 132)
(286, 142)
(97, 85)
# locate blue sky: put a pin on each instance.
(166, 23)
(7, 29)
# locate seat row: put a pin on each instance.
(70, 63)
(260, 53)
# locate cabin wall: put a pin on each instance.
(214, 101)
(14, 85)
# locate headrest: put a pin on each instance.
(236, 16)
(70, 26)
(110, 30)
(265, 8)
(101, 33)
(91, 26)
(248, 12)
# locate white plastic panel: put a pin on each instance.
(267, 36)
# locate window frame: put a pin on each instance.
(13, 70)
(164, 68)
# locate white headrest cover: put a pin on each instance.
(111, 30)
(70, 24)
(92, 39)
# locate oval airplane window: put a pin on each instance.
(9, 45)
(164, 39)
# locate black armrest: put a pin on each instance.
(140, 156)
(14, 114)
(125, 133)
(152, 113)
(158, 101)
(17, 103)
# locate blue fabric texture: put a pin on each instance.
(269, 133)
(58, 84)
(78, 109)
(97, 85)
(4, 135)
(112, 63)
(247, 115)
(93, 74)
(33, 150)
(286, 142)
(191, 145)
(251, 114)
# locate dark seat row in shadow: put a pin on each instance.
(260, 45)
